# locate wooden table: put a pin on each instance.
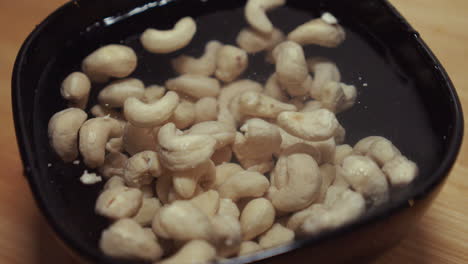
(442, 236)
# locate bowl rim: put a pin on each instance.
(439, 175)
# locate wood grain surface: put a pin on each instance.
(442, 236)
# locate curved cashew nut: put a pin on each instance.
(183, 221)
(254, 150)
(115, 145)
(167, 41)
(115, 94)
(196, 86)
(311, 106)
(382, 150)
(365, 177)
(223, 134)
(147, 211)
(362, 146)
(114, 182)
(63, 132)
(206, 109)
(110, 61)
(208, 202)
(150, 115)
(297, 181)
(231, 62)
(205, 65)
(228, 235)
(341, 152)
(222, 155)
(114, 165)
(181, 152)
(277, 235)
(244, 184)
(400, 171)
(291, 68)
(324, 71)
(185, 182)
(318, 32)
(137, 139)
(196, 251)
(350, 94)
(142, 168)
(225, 171)
(127, 239)
(75, 88)
(257, 217)
(184, 115)
(153, 93)
(119, 202)
(255, 14)
(253, 41)
(94, 135)
(260, 105)
(229, 208)
(317, 125)
(274, 90)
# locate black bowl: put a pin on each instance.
(404, 95)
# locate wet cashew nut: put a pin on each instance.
(127, 239)
(277, 235)
(94, 135)
(253, 41)
(196, 251)
(318, 32)
(167, 41)
(223, 134)
(205, 65)
(110, 61)
(115, 94)
(153, 114)
(231, 62)
(260, 105)
(114, 165)
(255, 14)
(196, 86)
(296, 182)
(244, 184)
(317, 125)
(180, 152)
(63, 132)
(75, 89)
(206, 109)
(257, 217)
(142, 168)
(137, 139)
(119, 202)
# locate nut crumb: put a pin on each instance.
(90, 178)
(76, 162)
(49, 165)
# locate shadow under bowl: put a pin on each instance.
(404, 94)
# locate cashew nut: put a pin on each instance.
(324, 71)
(332, 96)
(260, 105)
(231, 62)
(224, 172)
(222, 155)
(234, 89)
(102, 111)
(119, 202)
(196, 86)
(63, 132)
(127, 239)
(153, 93)
(255, 14)
(153, 114)
(253, 41)
(196, 251)
(244, 184)
(115, 145)
(110, 61)
(183, 221)
(350, 94)
(185, 182)
(318, 32)
(400, 171)
(228, 235)
(317, 125)
(114, 165)
(341, 152)
(274, 90)
(229, 208)
(291, 68)
(142, 168)
(257, 217)
(75, 88)
(205, 65)
(147, 211)
(180, 152)
(223, 134)
(137, 139)
(114, 182)
(311, 106)
(208, 202)
(340, 180)
(277, 235)
(365, 177)
(328, 174)
(296, 182)
(206, 109)
(184, 115)
(340, 135)
(362, 146)
(167, 41)
(115, 94)
(94, 135)
(248, 247)
(255, 148)
(382, 150)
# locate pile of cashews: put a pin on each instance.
(210, 166)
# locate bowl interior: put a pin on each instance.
(403, 94)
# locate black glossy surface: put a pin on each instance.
(408, 97)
